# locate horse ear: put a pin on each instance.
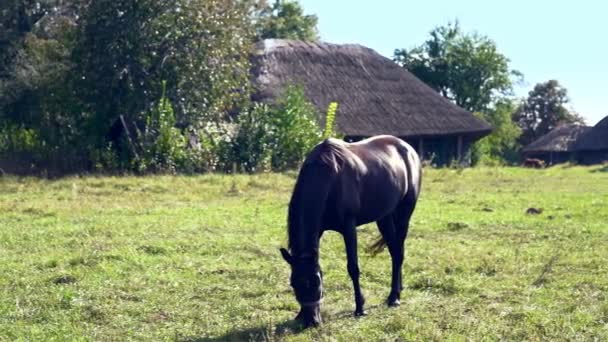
(286, 255)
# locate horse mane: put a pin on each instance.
(325, 161)
(331, 153)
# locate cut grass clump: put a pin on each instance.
(64, 280)
(152, 250)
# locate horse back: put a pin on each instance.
(392, 153)
(377, 174)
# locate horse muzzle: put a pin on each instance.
(310, 315)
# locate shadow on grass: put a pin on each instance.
(259, 333)
(271, 332)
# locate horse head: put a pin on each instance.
(307, 283)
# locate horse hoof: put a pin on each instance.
(394, 303)
(360, 313)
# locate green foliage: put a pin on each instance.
(73, 67)
(275, 137)
(285, 19)
(17, 139)
(35, 90)
(70, 69)
(543, 110)
(294, 129)
(250, 148)
(125, 48)
(330, 119)
(18, 18)
(502, 145)
(163, 145)
(465, 68)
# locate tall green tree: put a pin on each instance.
(465, 68)
(126, 48)
(285, 19)
(17, 19)
(35, 41)
(543, 110)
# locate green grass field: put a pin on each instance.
(196, 259)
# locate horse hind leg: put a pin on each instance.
(394, 229)
(386, 226)
(401, 220)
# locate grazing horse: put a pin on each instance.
(341, 186)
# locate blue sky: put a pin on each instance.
(563, 40)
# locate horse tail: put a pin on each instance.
(414, 173)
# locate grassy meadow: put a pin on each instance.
(181, 258)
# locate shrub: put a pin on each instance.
(163, 145)
(501, 146)
(276, 137)
(16, 139)
(294, 129)
(250, 148)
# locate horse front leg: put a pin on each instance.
(350, 242)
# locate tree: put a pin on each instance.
(17, 19)
(127, 48)
(543, 110)
(75, 66)
(285, 19)
(465, 68)
(502, 145)
(36, 44)
(69, 69)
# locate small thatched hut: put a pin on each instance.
(375, 96)
(557, 146)
(574, 143)
(592, 147)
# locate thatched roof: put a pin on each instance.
(375, 95)
(561, 139)
(595, 139)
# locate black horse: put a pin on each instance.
(341, 186)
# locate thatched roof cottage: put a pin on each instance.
(375, 96)
(557, 146)
(592, 147)
(574, 143)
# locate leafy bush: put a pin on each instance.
(251, 144)
(501, 146)
(294, 129)
(16, 139)
(163, 145)
(276, 137)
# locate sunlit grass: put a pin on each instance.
(196, 258)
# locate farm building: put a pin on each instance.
(375, 96)
(572, 143)
(592, 147)
(557, 146)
